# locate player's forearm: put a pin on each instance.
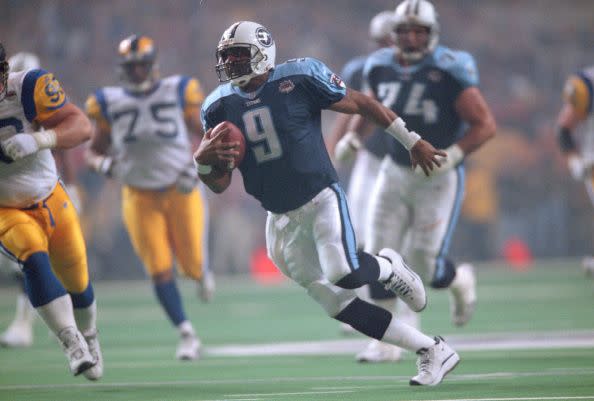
(72, 131)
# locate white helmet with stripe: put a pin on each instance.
(245, 51)
(417, 12)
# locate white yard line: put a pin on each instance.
(488, 342)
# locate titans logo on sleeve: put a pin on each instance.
(286, 162)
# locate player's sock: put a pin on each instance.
(405, 336)
(47, 294)
(85, 310)
(366, 318)
(170, 299)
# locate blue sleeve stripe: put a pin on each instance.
(590, 89)
(100, 96)
(181, 89)
(28, 93)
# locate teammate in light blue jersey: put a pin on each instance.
(286, 167)
(436, 90)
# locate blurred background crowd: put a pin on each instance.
(518, 190)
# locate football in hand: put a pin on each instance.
(233, 135)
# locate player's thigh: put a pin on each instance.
(186, 220)
(291, 248)
(389, 214)
(145, 222)
(21, 235)
(334, 236)
(435, 217)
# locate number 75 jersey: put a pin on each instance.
(149, 139)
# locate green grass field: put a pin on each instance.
(532, 338)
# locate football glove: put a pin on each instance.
(454, 156)
(20, 146)
(346, 149)
(579, 168)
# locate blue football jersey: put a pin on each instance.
(424, 94)
(352, 74)
(286, 162)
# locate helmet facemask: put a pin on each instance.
(138, 68)
(238, 63)
(4, 68)
(420, 17)
(3, 79)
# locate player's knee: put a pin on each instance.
(162, 276)
(333, 299)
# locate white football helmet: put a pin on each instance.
(417, 12)
(245, 51)
(23, 61)
(382, 26)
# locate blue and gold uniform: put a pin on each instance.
(36, 214)
(151, 148)
(579, 93)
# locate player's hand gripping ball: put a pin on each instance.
(233, 134)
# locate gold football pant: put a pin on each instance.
(166, 223)
(50, 226)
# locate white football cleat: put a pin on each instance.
(76, 349)
(206, 286)
(404, 282)
(434, 363)
(20, 331)
(96, 372)
(189, 344)
(588, 266)
(463, 294)
(378, 351)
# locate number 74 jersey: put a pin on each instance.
(149, 138)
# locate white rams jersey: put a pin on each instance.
(32, 96)
(149, 139)
(579, 92)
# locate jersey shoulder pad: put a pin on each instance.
(460, 64)
(352, 68)
(300, 66)
(190, 91)
(42, 95)
(578, 91)
(383, 56)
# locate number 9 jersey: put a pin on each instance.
(149, 138)
(32, 96)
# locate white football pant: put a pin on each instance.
(405, 205)
(315, 246)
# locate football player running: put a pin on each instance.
(39, 226)
(142, 138)
(436, 90)
(309, 235)
(578, 110)
(20, 331)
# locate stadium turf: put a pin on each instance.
(532, 339)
